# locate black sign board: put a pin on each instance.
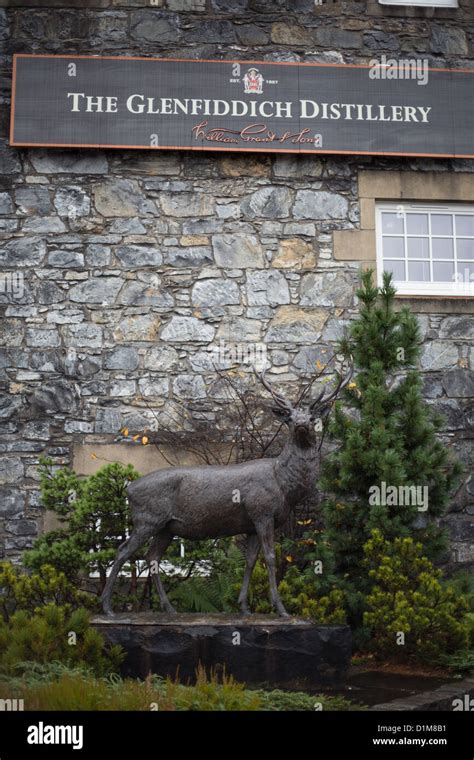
(385, 107)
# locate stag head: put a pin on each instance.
(301, 416)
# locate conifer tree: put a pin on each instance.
(384, 434)
(95, 519)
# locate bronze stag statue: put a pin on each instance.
(211, 501)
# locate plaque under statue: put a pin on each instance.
(212, 501)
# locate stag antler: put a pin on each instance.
(308, 386)
(280, 400)
(322, 399)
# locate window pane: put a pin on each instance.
(418, 248)
(397, 268)
(464, 224)
(417, 224)
(442, 248)
(393, 247)
(465, 248)
(441, 224)
(419, 270)
(443, 271)
(392, 224)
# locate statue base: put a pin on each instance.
(254, 649)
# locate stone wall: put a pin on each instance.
(135, 263)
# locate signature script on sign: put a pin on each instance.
(252, 133)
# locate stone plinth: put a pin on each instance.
(255, 649)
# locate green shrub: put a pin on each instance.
(96, 519)
(407, 597)
(462, 581)
(53, 634)
(82, 691)
(278, 700)
(55, 687)
(43, 621)
(310, 552)
(461, 662)
(304, 592)
(300, 593)
(28, 591)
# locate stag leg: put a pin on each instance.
(266, 534)
(251, 553)
(158, 547)
(136, 539)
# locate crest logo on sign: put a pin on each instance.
(253, 82)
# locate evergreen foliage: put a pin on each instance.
(384, 433)
(408, 598)
(95, 515)
(43, 622)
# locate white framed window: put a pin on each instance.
(425, 3)
(429, 248)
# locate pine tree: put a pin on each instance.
(95, 519)
(384, 433)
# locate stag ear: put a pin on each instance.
(319, 412)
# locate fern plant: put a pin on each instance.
(215, 591)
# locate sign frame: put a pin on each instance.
(315, 151)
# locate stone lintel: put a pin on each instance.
(417, 186)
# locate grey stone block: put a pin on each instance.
(271, 650)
